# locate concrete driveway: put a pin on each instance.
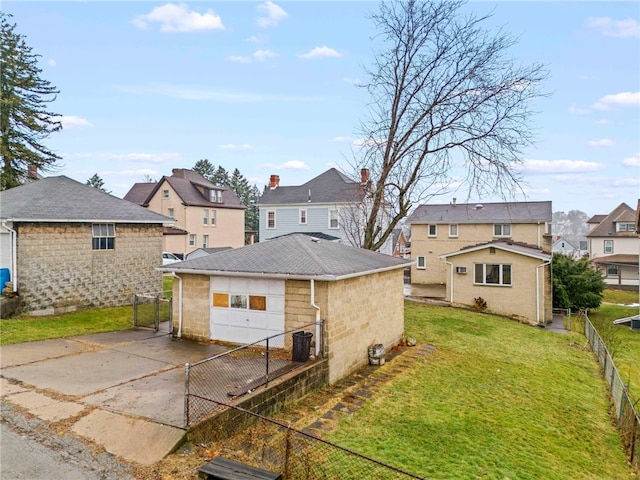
(122, 390)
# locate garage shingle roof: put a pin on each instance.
(292, 256)
(61, 199)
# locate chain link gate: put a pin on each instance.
(151, 309)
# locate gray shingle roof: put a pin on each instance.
(331, 186)
(185, 183)
(509, 246)
(606, 226)
(292, 256)
(61, 199)
(500, 212)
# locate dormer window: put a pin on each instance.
(215, 196)
(625, 227)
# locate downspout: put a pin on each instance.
(538, 290)
(313, 304)
(451, 279)
(173, 274)
(14, 257)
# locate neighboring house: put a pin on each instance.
(246, 294)
(514, 279)
(205, 215)
(401, 241)
(440, 229)
(331, 203)
(69, 245)
(203, 252)
(573, 246)
(614, 245)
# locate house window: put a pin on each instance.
(213, 218)
(421, 262)
(502, 230)
(192, 240)
(492, 274)
(104, 236)
(221, 300)
(271, 219)
(303, 216)
(165, 194)
(170, 212)
(432, 230)
(205, 217)
(238, 301)
(219, 196)
(626, 227)
(333, 218)
(205, 241)
(608, 246)
(257, 302)
(453, 230)
(612, 270)
(215, 196)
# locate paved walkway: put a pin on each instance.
(557, 325)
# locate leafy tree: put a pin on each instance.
(444, 94)
(204, 168)
(97, 182)
(576, 283)
(570, 224)
(24, 120)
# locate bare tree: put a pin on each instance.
(444, 94)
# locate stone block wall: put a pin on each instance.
(196, 306)
(59, 271)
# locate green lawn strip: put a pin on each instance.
(627, 356)
(30, 329)
(620, 296)
(497, 399)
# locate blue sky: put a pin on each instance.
(271, 88)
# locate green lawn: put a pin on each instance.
(496, 400)
(620, 296)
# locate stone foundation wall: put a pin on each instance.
(59, 271)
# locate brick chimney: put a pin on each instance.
(32, 172)
(274, 182)
(364, 176)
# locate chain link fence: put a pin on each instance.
(271, 445)
(151, 309)
(221, 379)
(626, 414)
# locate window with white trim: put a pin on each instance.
(302, 216)
(219, 196)
(421, 262)
(333, 218)
(432, 230)
(213, 218)
(271, 219)
(165, 194)
(625, 227)
(170, 212)
(205, 241)
(492, 274)
(192, 240)
(453, 230)
(502, 230)
(205, 217)
(608, 246)
(104, 236)
(612, 270)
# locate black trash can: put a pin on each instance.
(301, 346)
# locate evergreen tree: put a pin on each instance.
(205, 168)
(220, 177)
(97, 182)
(24, 120)
(576, 284)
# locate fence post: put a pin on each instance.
(186, 395)
(266, 356)
(135, 310)
(287, 453)
(157, 312)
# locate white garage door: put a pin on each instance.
(246, 310)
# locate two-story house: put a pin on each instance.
(329, 206)
(205, 215)
(614, 245)
(487, 251)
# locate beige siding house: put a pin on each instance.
(444, 228)
(205, 215)
(244, 295)
(68, 245)
(512, 279)
(614, 245)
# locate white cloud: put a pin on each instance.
(543, 167)
(73, 121)
(51, 62)
(290, 165)
(321, 52)
(573, 110)
(603, 121)
(212, 94)
(169, 158)
(632, 161)
(618, 100)
(628, 28)
(234, 146)
(253, 39)
(258, 56)
(341, 139)
(605, 142)
(367, 142)
(272, 14)
(178, 18)
(626, 182)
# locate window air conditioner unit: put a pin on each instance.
(461, 270)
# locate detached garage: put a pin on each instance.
(246, 294)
